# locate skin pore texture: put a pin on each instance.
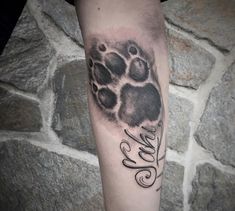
(127, 95)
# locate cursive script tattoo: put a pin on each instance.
(125, 88)
(149, 143)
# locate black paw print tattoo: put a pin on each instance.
(123, 84)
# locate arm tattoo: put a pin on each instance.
(126, 90)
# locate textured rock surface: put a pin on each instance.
(71, 118)
(190, 65)
(93, 204)
(213, 20)
(212, 190)
(64, 16)
(26, 57)
(18, 113)
(32, 178)
(216, 131)
(180, 111)
(172, 190)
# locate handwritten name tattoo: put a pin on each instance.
(125, 87)
(147, 157)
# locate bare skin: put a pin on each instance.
(128, 89)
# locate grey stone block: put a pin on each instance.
(213, 190)
(26, 57)
(93, 204)
(211, 20)
(64, 16)
(32, 178)
(190, 65)
(216, 132)
(71, 118)
(172, 189)
(18, 113)
(180, 110)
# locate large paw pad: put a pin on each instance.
(139, 104)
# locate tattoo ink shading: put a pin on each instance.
(125, 89)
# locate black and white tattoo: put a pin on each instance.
(125, 87)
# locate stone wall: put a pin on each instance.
(47, 153)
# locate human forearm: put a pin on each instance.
(128, 77)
